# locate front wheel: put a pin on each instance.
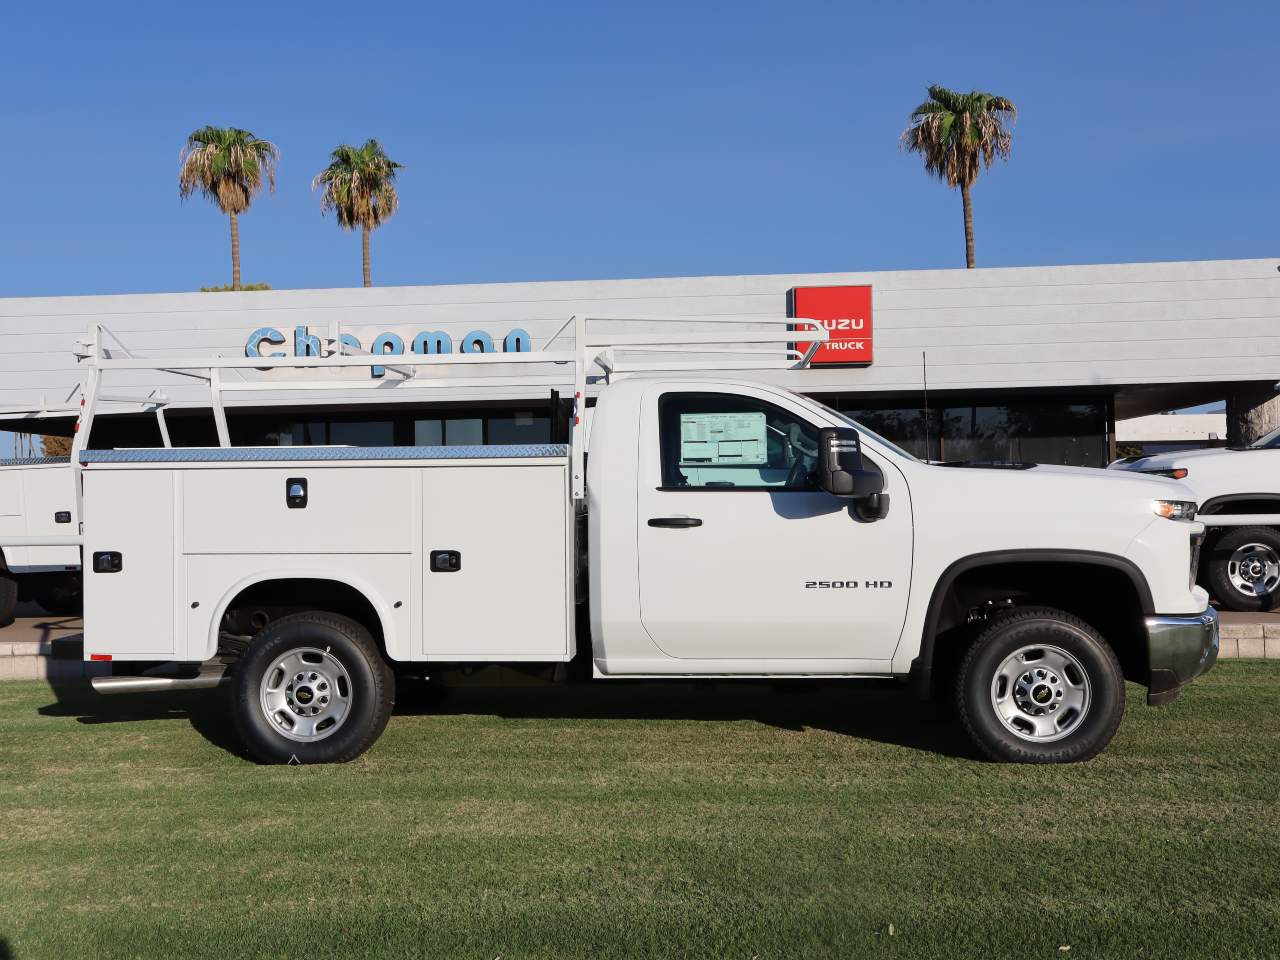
(1040, 686)
(312, 688)
(1244, 569)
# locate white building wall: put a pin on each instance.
(1103, 325)
(1172, 428)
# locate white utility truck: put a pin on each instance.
(721, 528)
(1238, 489)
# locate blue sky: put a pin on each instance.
(567, 141)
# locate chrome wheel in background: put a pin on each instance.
(1254, 570)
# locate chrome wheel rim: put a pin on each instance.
(306, 694)
(1254, 570)
(1041, 693)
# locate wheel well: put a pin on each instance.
(257, 605)
(1111, 596)
(1236, 504)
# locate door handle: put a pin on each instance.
(674, 522)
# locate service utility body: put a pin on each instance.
(720, 528)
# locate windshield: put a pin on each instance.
(1270, 442)
(865, 431)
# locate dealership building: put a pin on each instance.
(1027, 363)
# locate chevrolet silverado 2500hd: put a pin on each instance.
(720, 528)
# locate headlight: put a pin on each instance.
(1174, 509)
(1177, 473)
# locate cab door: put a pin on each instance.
(742, 557)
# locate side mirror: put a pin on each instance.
(840, 469)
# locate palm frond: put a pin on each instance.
(227, 165)
(358, 185)
(958, 134)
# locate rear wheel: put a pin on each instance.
(1244, 569)
(60, 594)
(8, 597)
(1040, 686)
(312, 688)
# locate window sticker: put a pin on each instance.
(717, 439)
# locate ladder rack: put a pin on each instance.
(737, 342)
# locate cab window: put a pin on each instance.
(727, 442)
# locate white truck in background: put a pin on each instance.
(720, 528)
(40, 523)
(1238, 491)
(39, 536)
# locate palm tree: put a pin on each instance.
(229, 166)
(360, 185)
(957, 134)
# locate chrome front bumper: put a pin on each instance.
(1179, 649)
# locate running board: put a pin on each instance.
(204, 681)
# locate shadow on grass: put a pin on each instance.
(208, 711)
(869, 710)
(878, 711)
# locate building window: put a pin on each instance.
(1033, 431)
(463, 431)
(523, 426)
(362, 433)
(428, 433)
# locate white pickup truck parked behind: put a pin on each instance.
(720, 528)
(1238, 489)
(39, 555)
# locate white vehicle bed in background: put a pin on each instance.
(1238, 492)
(39, 536)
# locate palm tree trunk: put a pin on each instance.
(364, 243)
(235, 253)
(968, 226)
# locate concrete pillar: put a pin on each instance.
(1253, 410)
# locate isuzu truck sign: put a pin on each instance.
(846, 313)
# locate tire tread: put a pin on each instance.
(1216, 572)
(1069, 752)
(383, 682)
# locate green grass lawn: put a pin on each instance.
(638, 820)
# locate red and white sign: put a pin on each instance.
(846, 313)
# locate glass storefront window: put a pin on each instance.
(463, 431)
(362, 433)
(1033, 431)
(295, 435)
(428, 433)
(521, 427)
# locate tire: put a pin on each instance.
(284, 720)
(1244, 569)
(8, 597)
(1058, 657)
(60, 594)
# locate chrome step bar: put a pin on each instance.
(203, 681)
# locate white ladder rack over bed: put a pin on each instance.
(653, 344)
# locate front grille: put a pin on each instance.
(1197, 541)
